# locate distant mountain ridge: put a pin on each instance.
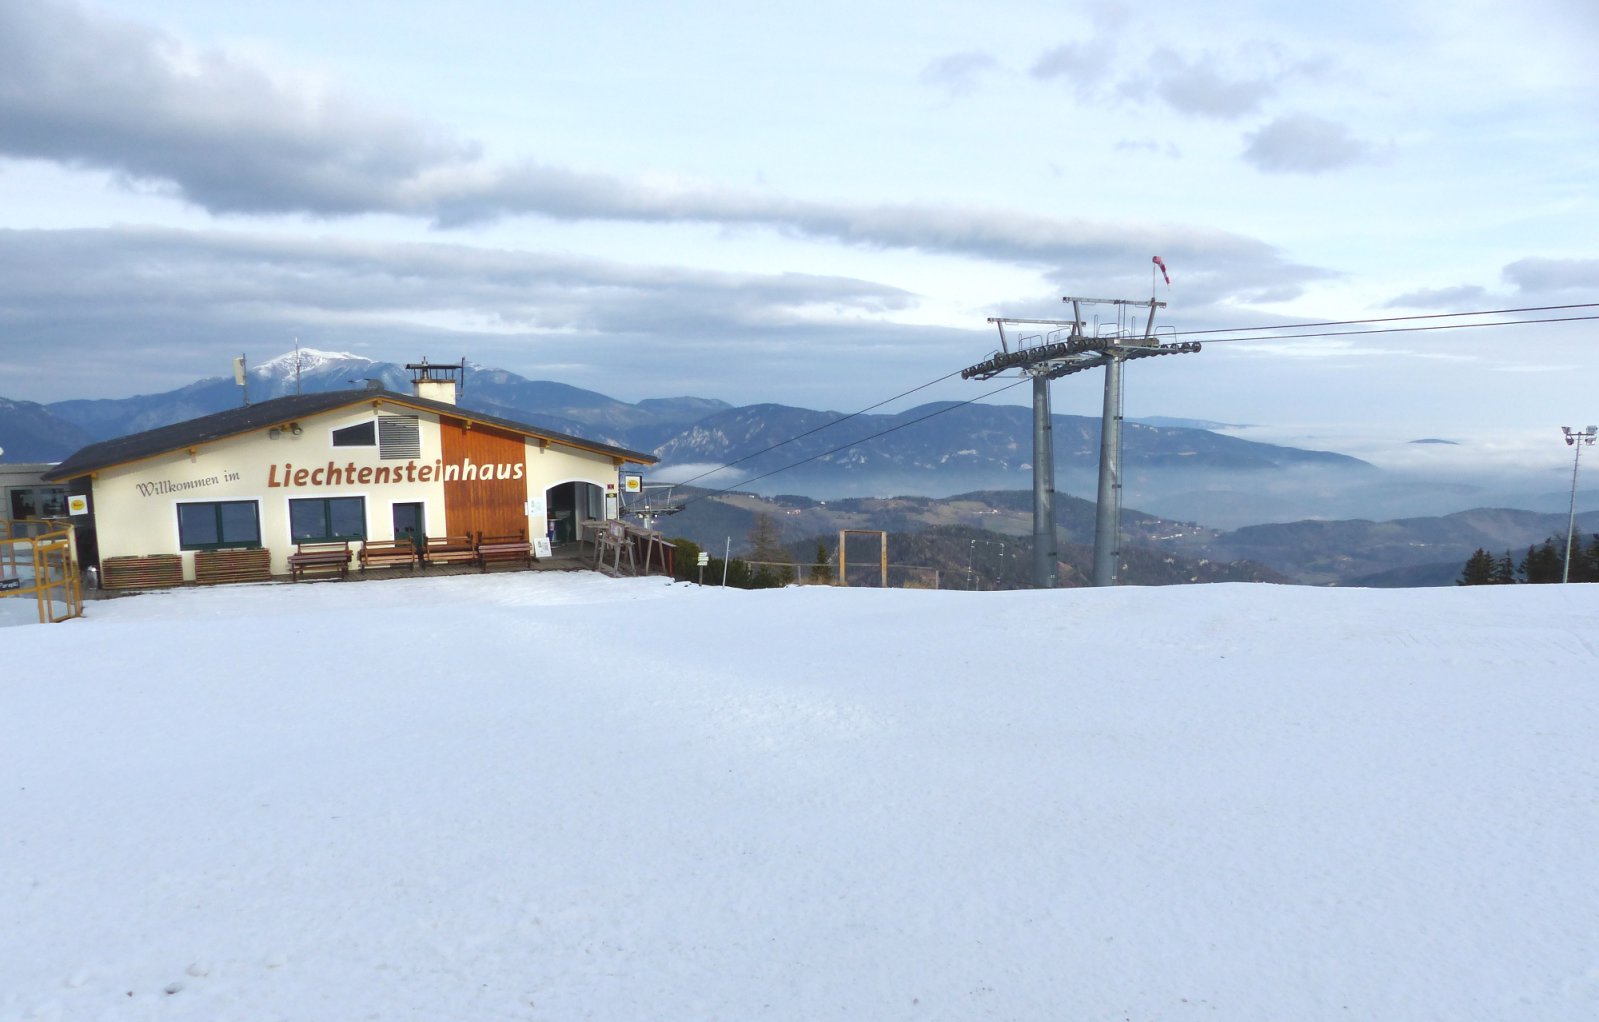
(559, 406)
(1401, 553)
(935, 449)
(957, 446)
(32, 432)
(980, 454)
(1320, 552)
(989, 446)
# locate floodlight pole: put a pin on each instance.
(1576, 439)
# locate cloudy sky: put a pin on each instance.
(816, 204)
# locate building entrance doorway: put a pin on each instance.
(569, 506)
(408, 524)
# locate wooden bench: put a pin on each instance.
(503, 548)
(150, 571)
(320, 557)
(450, 550)
(388, 552)
(213, 567)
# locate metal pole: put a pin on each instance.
(1044, 552)
(1108, 512)
(1571, 517)
(727, 555)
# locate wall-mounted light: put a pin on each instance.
(295, 429)
(274, 433)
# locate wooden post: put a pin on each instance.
(882, 554)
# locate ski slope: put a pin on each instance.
(544, 796)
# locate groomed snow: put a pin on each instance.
(549, 796)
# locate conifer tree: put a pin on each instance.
(1588, 558)
(1542, 564)
(1504, 571)
(1479, 570)
(821, 571)
(766, 545)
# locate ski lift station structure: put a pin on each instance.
(1059, 347)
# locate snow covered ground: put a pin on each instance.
(540, 796)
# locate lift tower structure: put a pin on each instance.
(1060, 349)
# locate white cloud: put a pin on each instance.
(1305, 144)
(86, 90)
(1578, 277)
(1200, 87)
(959, 73)
(1086, 65)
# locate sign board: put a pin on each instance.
(705, 559)
(535, 507)
(541, 546)
(78, 504)
(8, 584)
(632, 482)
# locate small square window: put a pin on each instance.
(362, 434)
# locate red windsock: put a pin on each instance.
(1162, 264)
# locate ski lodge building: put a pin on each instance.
(353, 465)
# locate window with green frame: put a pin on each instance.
(216, 525)
(327, 519)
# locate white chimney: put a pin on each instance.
(437, 382)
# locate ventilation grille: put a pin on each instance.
(399, 438)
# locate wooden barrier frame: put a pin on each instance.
(882, 548)
(53, 568)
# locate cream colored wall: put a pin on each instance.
(135, 521)
(136, 505)
(554, 465)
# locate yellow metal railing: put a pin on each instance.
(37, 560)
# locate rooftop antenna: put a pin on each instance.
(241, 376)
(296, 367)
(1060, 350)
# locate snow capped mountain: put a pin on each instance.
(556, 406)
(309, 371)
(306, 359)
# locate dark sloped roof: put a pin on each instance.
(277, 411)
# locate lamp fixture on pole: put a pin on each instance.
(1576, 439)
